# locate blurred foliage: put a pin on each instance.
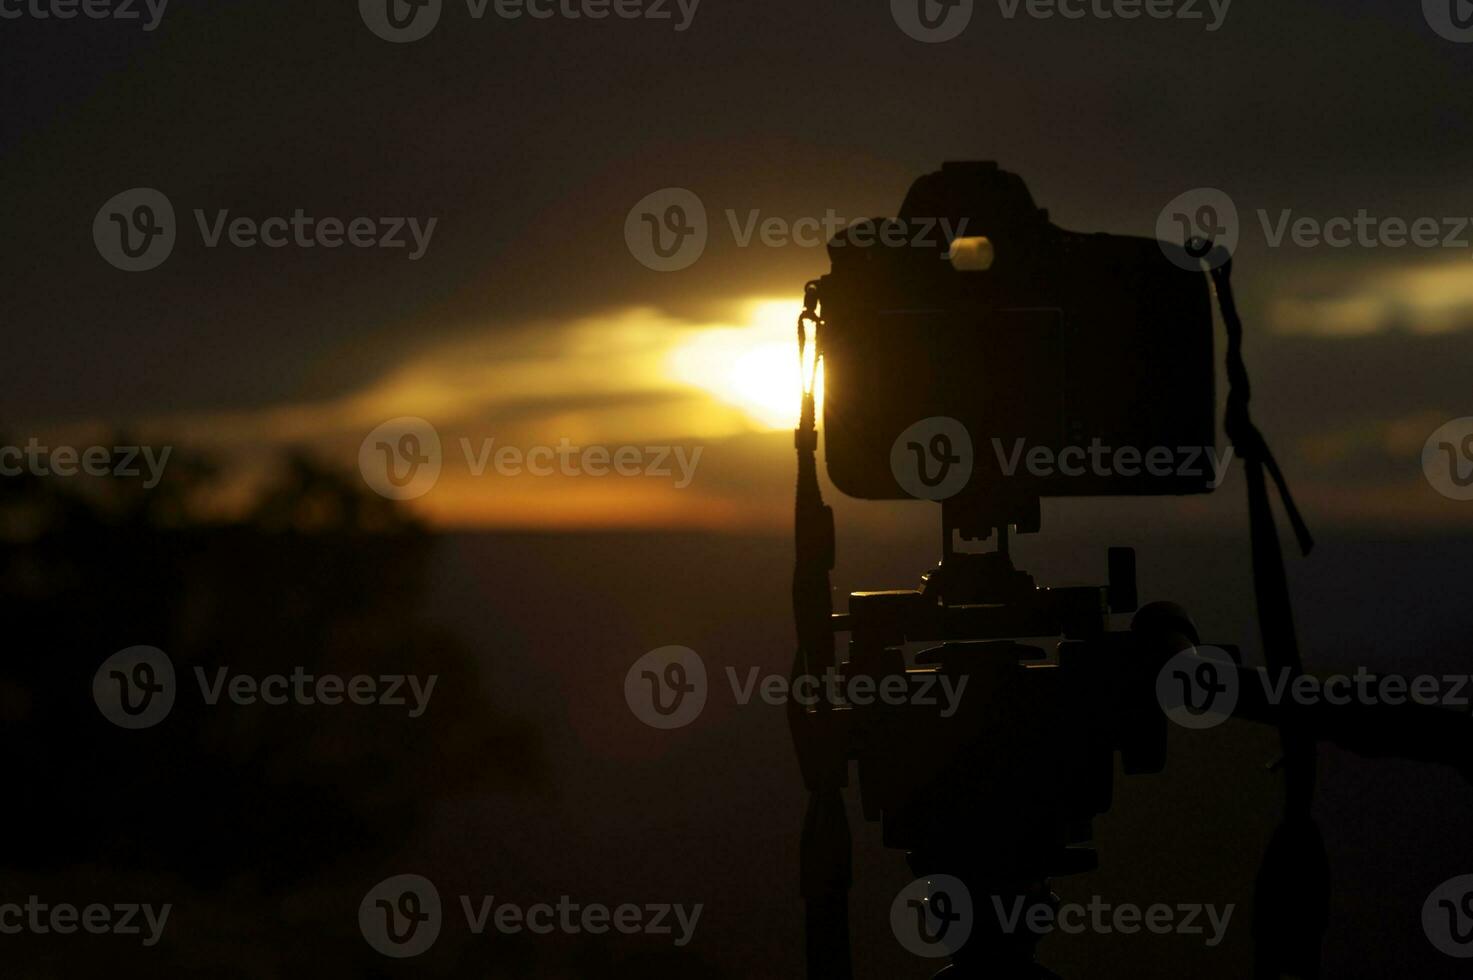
(238, 808)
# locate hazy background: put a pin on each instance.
(529, 321)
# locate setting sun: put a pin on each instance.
(752, 367)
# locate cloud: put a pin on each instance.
(609, 375)
(1419, 298)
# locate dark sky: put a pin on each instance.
(530, 140)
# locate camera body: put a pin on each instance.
(1077, 364)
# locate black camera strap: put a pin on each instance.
(1291, 896)
(825, 849)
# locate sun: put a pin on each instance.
(752, 367)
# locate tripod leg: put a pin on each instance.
(827, 873)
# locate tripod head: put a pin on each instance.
(992, 792)
(997, 787)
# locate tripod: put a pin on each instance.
(1017, 772)
(999, 793)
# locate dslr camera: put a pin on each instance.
(1019, 362)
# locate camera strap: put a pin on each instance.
(1271, 585)
(826, 845)
(813, 520)
(1291, 907)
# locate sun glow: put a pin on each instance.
(753, 367)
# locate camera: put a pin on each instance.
(1036, 361)
(986, 372)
